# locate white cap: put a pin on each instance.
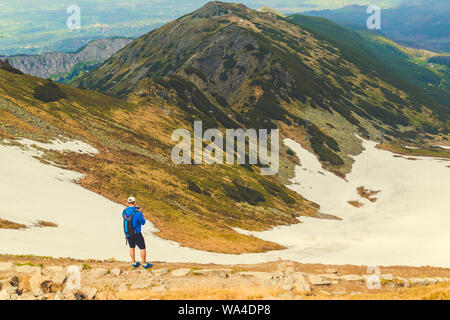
(131, 199)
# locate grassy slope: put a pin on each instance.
(319, 71)
(134, 144)
(412, 64)
(363, 54)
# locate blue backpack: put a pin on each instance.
(128, 224)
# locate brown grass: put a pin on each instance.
(6, 224)
(432, 292)
(204, 293)
(426, 151)
(42, 223)
(258, 292)
(356, 203)
(367, 194)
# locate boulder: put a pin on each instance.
(352, 277)
(330, 276)
(89, 293)
(159, 289)
(441, 280)
(52, 269)
(209, 272)
(116, 272)
(68, 294)
(431, 281)
(329, 271)
(59, 278)
(161, 271)
(10, 286)
(317, 280)
(98, 273)
(27, 296)
(140, 285)
(387, 277)
(418, 282)
(183, 272)
(401, 282)
(300, 282)
(38, 293)
(14, 281)
(47, 286)
(257, 274)
(28, 269)
(289, 280)
(289, 271)
(287, 287)
(38, 281)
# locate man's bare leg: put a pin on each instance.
(144, 256)
(133, 258)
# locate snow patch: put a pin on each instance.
(61, 146)
(407, 225)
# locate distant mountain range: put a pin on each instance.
(36, 27)
(418, 24)
(67, 66)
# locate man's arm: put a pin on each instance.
(141, 218)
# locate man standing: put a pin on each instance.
(133, 219)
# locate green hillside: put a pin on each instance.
(196, 206)
(267, 71)
(373, 52)
(420, 24)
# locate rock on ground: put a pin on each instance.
(318, 280)
(116, 272)
(27, 269)
(180, 272)
(98, 273)
(352, 277)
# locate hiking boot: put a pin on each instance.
(147, 265)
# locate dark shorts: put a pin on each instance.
(137, 240)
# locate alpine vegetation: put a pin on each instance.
(236, 150)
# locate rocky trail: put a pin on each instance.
(40, 278)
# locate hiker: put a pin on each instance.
(132, 222)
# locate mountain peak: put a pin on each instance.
(217, 9)
(263, 71)
(271, 10)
